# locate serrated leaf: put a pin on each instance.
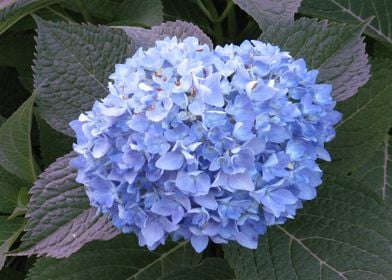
(17, 10)
(145, 38)
(122, 259)
(355, 12)
(9, 232)
(336, 50)
(269, 12)
(53, 144)
(72, 68)
(366, 119)
(15, 145)
(60, 220)
(376, 172)
(344, 234)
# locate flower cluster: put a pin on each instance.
(205, 144)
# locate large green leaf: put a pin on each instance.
(366, 119)
(20, 8)
(9, 232)
(15, 145)
(376, 172)
(354, 12)
(269, 12)
(72, 68)
(123, 259)
(60, 220)
(345, 233)
(336, 50)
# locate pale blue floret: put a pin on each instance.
(205, 144)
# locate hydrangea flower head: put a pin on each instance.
(205, 144)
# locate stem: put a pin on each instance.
(216, 25)
(60, 15)
(84, 12)
(214, 18)
(232, 22)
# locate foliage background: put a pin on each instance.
(344, 234)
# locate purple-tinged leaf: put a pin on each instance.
(336, 50)
(60, 220)
(269, 12)
(141, 37)
(71, 68)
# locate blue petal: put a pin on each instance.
(241, 181)
(152, 233)
(170, 161)
(197, 107)
(199, 243)
(247, 239)
(101, 147)
(164, 207)
(206, 201)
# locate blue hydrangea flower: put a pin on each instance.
(205, 144)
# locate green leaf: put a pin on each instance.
(132, 12)
(60, 220)
(9, 232)
(72, 68)
(366, 119)
(336, 50)
(21, 203)
(355, 12)
(17, 10)
(15, 144)
(122, 259)
(53, 144)
(376, 172)
(145, 38)
(209, 269)
(8, 228)
(9, 188)
(269, 12)
(382, 50)
(344, 234)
